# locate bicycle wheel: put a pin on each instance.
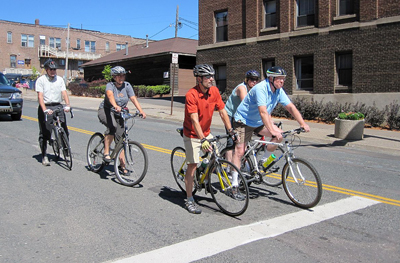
(95, 152)
(307, 191)
(273, 176)
(179, 167)
(136, 164)
(55, 143)
(66, 149)
(232, 200)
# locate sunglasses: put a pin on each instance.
(53, 69)
(209, 76)
(251, 79)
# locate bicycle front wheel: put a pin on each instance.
(179, 167)
(231, 199)
(55, 143)
(302, 183)
(132, 170)
(273, 176)
(66, 150)
(95, 152)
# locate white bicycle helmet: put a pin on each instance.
(117, 70)
(203, 70)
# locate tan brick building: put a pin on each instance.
(327, 47)
(24, 46)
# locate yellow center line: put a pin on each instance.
(325, 186)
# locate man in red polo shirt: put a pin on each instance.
(201, 101)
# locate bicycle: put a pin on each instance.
(59, 139)
(301, 181)
(135, 155)
(232, 200)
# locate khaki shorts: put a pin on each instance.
(245, 132)
(193, 148)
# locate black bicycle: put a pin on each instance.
(134, 165)
(59, 139)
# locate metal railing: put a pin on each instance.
(47, 51)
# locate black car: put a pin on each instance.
(10, 99)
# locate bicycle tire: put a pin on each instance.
(55, 144)
(66, 149)
(272, 177)
(136, 163)
(306, 193)
(95, 152)
(232, 201)
(246, 165)
(179, 167)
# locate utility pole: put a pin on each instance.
(176, 21)
(66, 60)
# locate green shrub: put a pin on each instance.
(351, 116)
(374, 116)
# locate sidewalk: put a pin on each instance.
(321, 134)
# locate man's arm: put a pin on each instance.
(41, 101)
(225, 119)
(66, 99)
(267, 121)
(194, 117)
(291, 108)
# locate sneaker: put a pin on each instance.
(192, 207)
(236, 194)
(45, 161)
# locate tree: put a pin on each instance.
(107, 72)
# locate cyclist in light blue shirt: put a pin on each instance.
(254, 113)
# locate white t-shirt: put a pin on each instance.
(51, 89)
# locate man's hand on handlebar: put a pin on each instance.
(233, 134)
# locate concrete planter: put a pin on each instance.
(349, 129)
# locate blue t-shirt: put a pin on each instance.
(259, 95)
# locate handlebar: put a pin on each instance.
(56, 112)
(125, 113)
(294, 131)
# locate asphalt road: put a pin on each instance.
(49, 214)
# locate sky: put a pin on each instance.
(155, 18)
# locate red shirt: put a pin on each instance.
(204, 105)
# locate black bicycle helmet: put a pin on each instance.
(276, 72)
(203, 70)
(117, 70)
(50, 64)
(252, 74)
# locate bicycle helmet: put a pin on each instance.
(117, 70)
(50, 64)
(252, 74)
(203, 70)
(276, 72)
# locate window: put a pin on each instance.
(9, 37)
(220, 78)
(27, 40)
(107, 46)
(90, 46)
(221, 23)
(78, 44)
(344, 68)
(51, 42)
(62, 62)
(305, 13)
(13, 61)
(42, 40)
(304, 69)
(121, 46)
(27, 61)
(58, 43)
(270, 13)
(267, 63)
(346, 7)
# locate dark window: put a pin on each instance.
(267, 63)
(221, 22)
(270, 13)
(13, 61)
(304, 69)
(344, 67)
(346, 7)
(305, 13)
(220, 78)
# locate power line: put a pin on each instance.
(170, 25)
(191, 22)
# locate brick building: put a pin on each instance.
(24, 46)
(327, 47)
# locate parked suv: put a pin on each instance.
(10, 99)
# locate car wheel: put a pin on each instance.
(16, 117)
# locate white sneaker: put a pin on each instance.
(45, 161)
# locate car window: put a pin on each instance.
(3, 80)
